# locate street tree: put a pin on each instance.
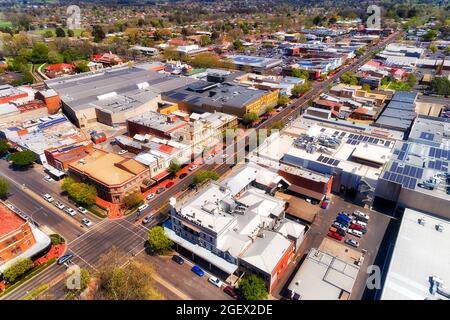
(4, 146)
(283, 100)
(82, 193)
(98, 33)
(22, 158)
(60, 33)
(18, 269)
(158, 240)
(253, 288)
(174, 166)
(250, 117)
(4, 186)
(133, 199)
(203, 175)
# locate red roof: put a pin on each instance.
(177, 42)
(360, 110)
(166, 148)
(327, 103)
(9, 221)
(60, 67)
(163, 174)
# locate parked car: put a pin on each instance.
(352, 242)
(343, 222)
(339, 225)
(170, 184)
(325, 203)
(121, 152)
(232, 292)
(59, 205)
(49, 179)
(361, 216)
(86, 222)
(344, 217)
(70, 211)
(335, 235)
(142, 207)
(82, 210)
(341, 232)
(355, 233)
(65, 258)
(148, 218)
(150, 196)
(178, 259)
(355, 226)
(198, 271)
(183, 175)
(215, 281)
(160, 190)
(361, 223)
(193, 167)
(332, 229)
(48, 197)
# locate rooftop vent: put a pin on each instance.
(421, 221)
(439, 227)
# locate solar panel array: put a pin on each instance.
(355, 139)
(402, 152)
(405, 175)
(327, 160)
(439, 153)
(427, 136)
(438, 165)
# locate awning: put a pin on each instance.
(161, 175)
(306, 192)
(217, 261)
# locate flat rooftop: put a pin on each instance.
(254, 61)
(9, 221)
(420, 252)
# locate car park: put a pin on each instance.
(65, 258)
(142, 207)
(82, 210)
(59, 205)
(215, 281)
(178, 259)
(86, 222)
(335, 235)
(48, 197)
(148, 218)
(70, 211)
(352, 242)
(150, 196)
(198, 271)
(355, 233)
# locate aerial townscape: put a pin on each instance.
(225, 150)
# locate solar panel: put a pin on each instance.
(402, 155)
(427, 136)
(406, 170)
(360, 138)
(404, 147)
(386, 175)
(419, 173)
(412, 183)
(342, 134)
(322, 130)
(351, 135)
(431, 164)
(399, 178)
(365, 138)
(336, 162)
(375, 141)
(394, 166)
(405, 181)
(387, 143)
(400, 170)
(320, 158)
(438, 153)
(330, 161)
(432, 152)
(438, 165)
(413, 171)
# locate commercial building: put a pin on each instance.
(204, 96)
(420, 253)
(112, 95)
(234, 226)
(253, 63)
(283, 84)
(19, 238)
(60, 157)
(113, 176)
(416, 177)
(323, 276)
(400, 113)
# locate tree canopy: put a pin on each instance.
(203, 175)
(4, 146)
(82, 193)
(4, 186)
(22, 158)
(16, 270)
(133, 199)
(250, 117)
(158, 240)
(253, 288)
(174, 166)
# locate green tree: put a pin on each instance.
(4, 186)
(23, 158)
(366, 87)
(205, 40)
(203, 175)
(4, 146)
(82, 193)
(411, 81)
(250, 117)
(283, 100)
(253, 288)
(98, 33)
(39, 53)
(55, 57)
(301, 89)
(269, 109)
(237, 45)
(174, 166)
(133, 199)
(349, 78)
(205, 60)
(60, 33)
(430, 35)
(433, 48)
(70, 33)
(82, 66)
(441, 86)
(299, 73)
(48, 34)
(18, 269)
(158, 240)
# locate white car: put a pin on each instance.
(355, 232)
(86, 222)
(150, 196)
(70, 211)
(82, 210)
(361, 215)
(215, 281)
(59, 205)
(352, 242)
(142, 207)
(193, 167)
(48, 197)
(49, 179)
(122, 152)
(362, 224)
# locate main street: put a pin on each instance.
(127, 235)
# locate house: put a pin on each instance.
(59, 69)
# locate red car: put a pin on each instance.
(355, 226)
(169, 184)
(325, 203)
(231, 291)
(335, 235)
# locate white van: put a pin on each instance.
(142, 207)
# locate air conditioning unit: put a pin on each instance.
(439, 227)
(421, 221)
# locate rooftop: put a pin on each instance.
(9, 221)
(254, 61)
(420, 252)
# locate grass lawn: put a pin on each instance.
(77, 32)
(5, 24)
(397, 86)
